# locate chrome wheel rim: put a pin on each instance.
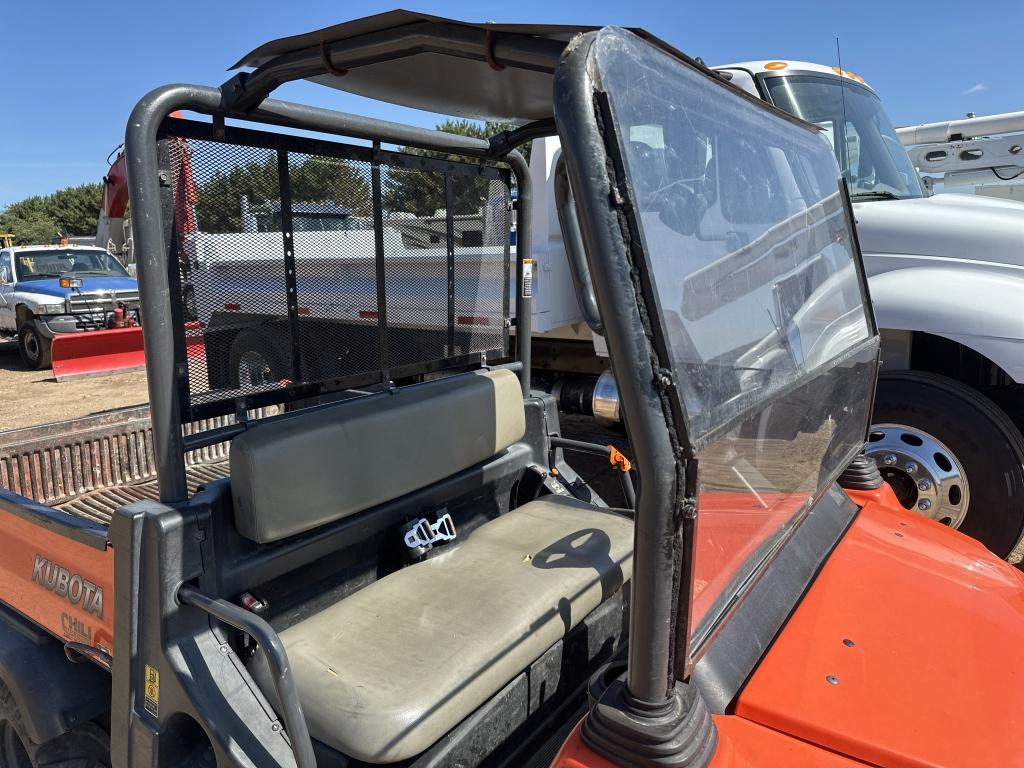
(254, 370)
(924, 473)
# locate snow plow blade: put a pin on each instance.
(96, 353)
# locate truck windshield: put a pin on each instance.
(46, 265)
(869, 151)
(759, 302)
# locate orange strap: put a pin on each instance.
(617, 460)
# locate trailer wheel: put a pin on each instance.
(33, 347)
(258, 357)
(85, 746)
(952, 455)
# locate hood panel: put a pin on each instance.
(89, 285)
(950, 225)
(934, 676)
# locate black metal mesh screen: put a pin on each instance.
(415, 265)
(307, 266)
(482, 221)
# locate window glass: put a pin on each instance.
(47, 265)
(870, 153)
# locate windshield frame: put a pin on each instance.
(762, 80)
(19, 269)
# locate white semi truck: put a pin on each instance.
(947, 283)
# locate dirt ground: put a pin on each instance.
(28, 398)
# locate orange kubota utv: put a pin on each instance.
(401, 567)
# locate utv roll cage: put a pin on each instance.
(511, 68)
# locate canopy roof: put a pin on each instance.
(481, 71)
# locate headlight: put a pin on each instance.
(50, 309)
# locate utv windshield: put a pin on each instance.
(870, 153)
(758, 299)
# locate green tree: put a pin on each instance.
(422, 193)
(29, 226)
(315, 179)
(38, 219)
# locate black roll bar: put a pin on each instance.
(277, 659)
(572, 239)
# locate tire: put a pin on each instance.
(258, 357)
(973, 447)
(33, 347)
(85, 746)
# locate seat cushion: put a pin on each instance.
(386, 672)
(307, 470)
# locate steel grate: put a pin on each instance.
(305, 267)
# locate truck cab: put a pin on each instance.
(946, 275)
(52, 289)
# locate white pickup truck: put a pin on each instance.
(51, 289)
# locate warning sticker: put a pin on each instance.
(152, 691)
(528, 265)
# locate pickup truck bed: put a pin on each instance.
(89, 467)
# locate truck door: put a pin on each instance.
(6, 291)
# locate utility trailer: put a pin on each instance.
(412, 574)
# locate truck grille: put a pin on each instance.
(102, 301)
(91, 309)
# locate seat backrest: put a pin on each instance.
(300, 472)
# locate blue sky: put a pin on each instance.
(73, 70)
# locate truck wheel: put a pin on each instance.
(258, 358)
(950, 454)
(86, 746)
(33, 347)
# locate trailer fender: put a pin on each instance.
(53, 694)
(977, 308)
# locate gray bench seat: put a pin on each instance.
(386, 672)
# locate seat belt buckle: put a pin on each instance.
(423, 534)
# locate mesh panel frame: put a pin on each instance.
(302, 267)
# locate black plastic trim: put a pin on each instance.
(52, 694)
(78, 529)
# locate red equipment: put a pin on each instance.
(119, 348)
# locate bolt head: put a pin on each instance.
(889, 459)
(924, 504)
(911, 466)
(924, 485)
(832, 679)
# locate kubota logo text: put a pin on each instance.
(63, 583)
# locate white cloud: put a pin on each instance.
(978, 88)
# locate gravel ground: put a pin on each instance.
(28, 398)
